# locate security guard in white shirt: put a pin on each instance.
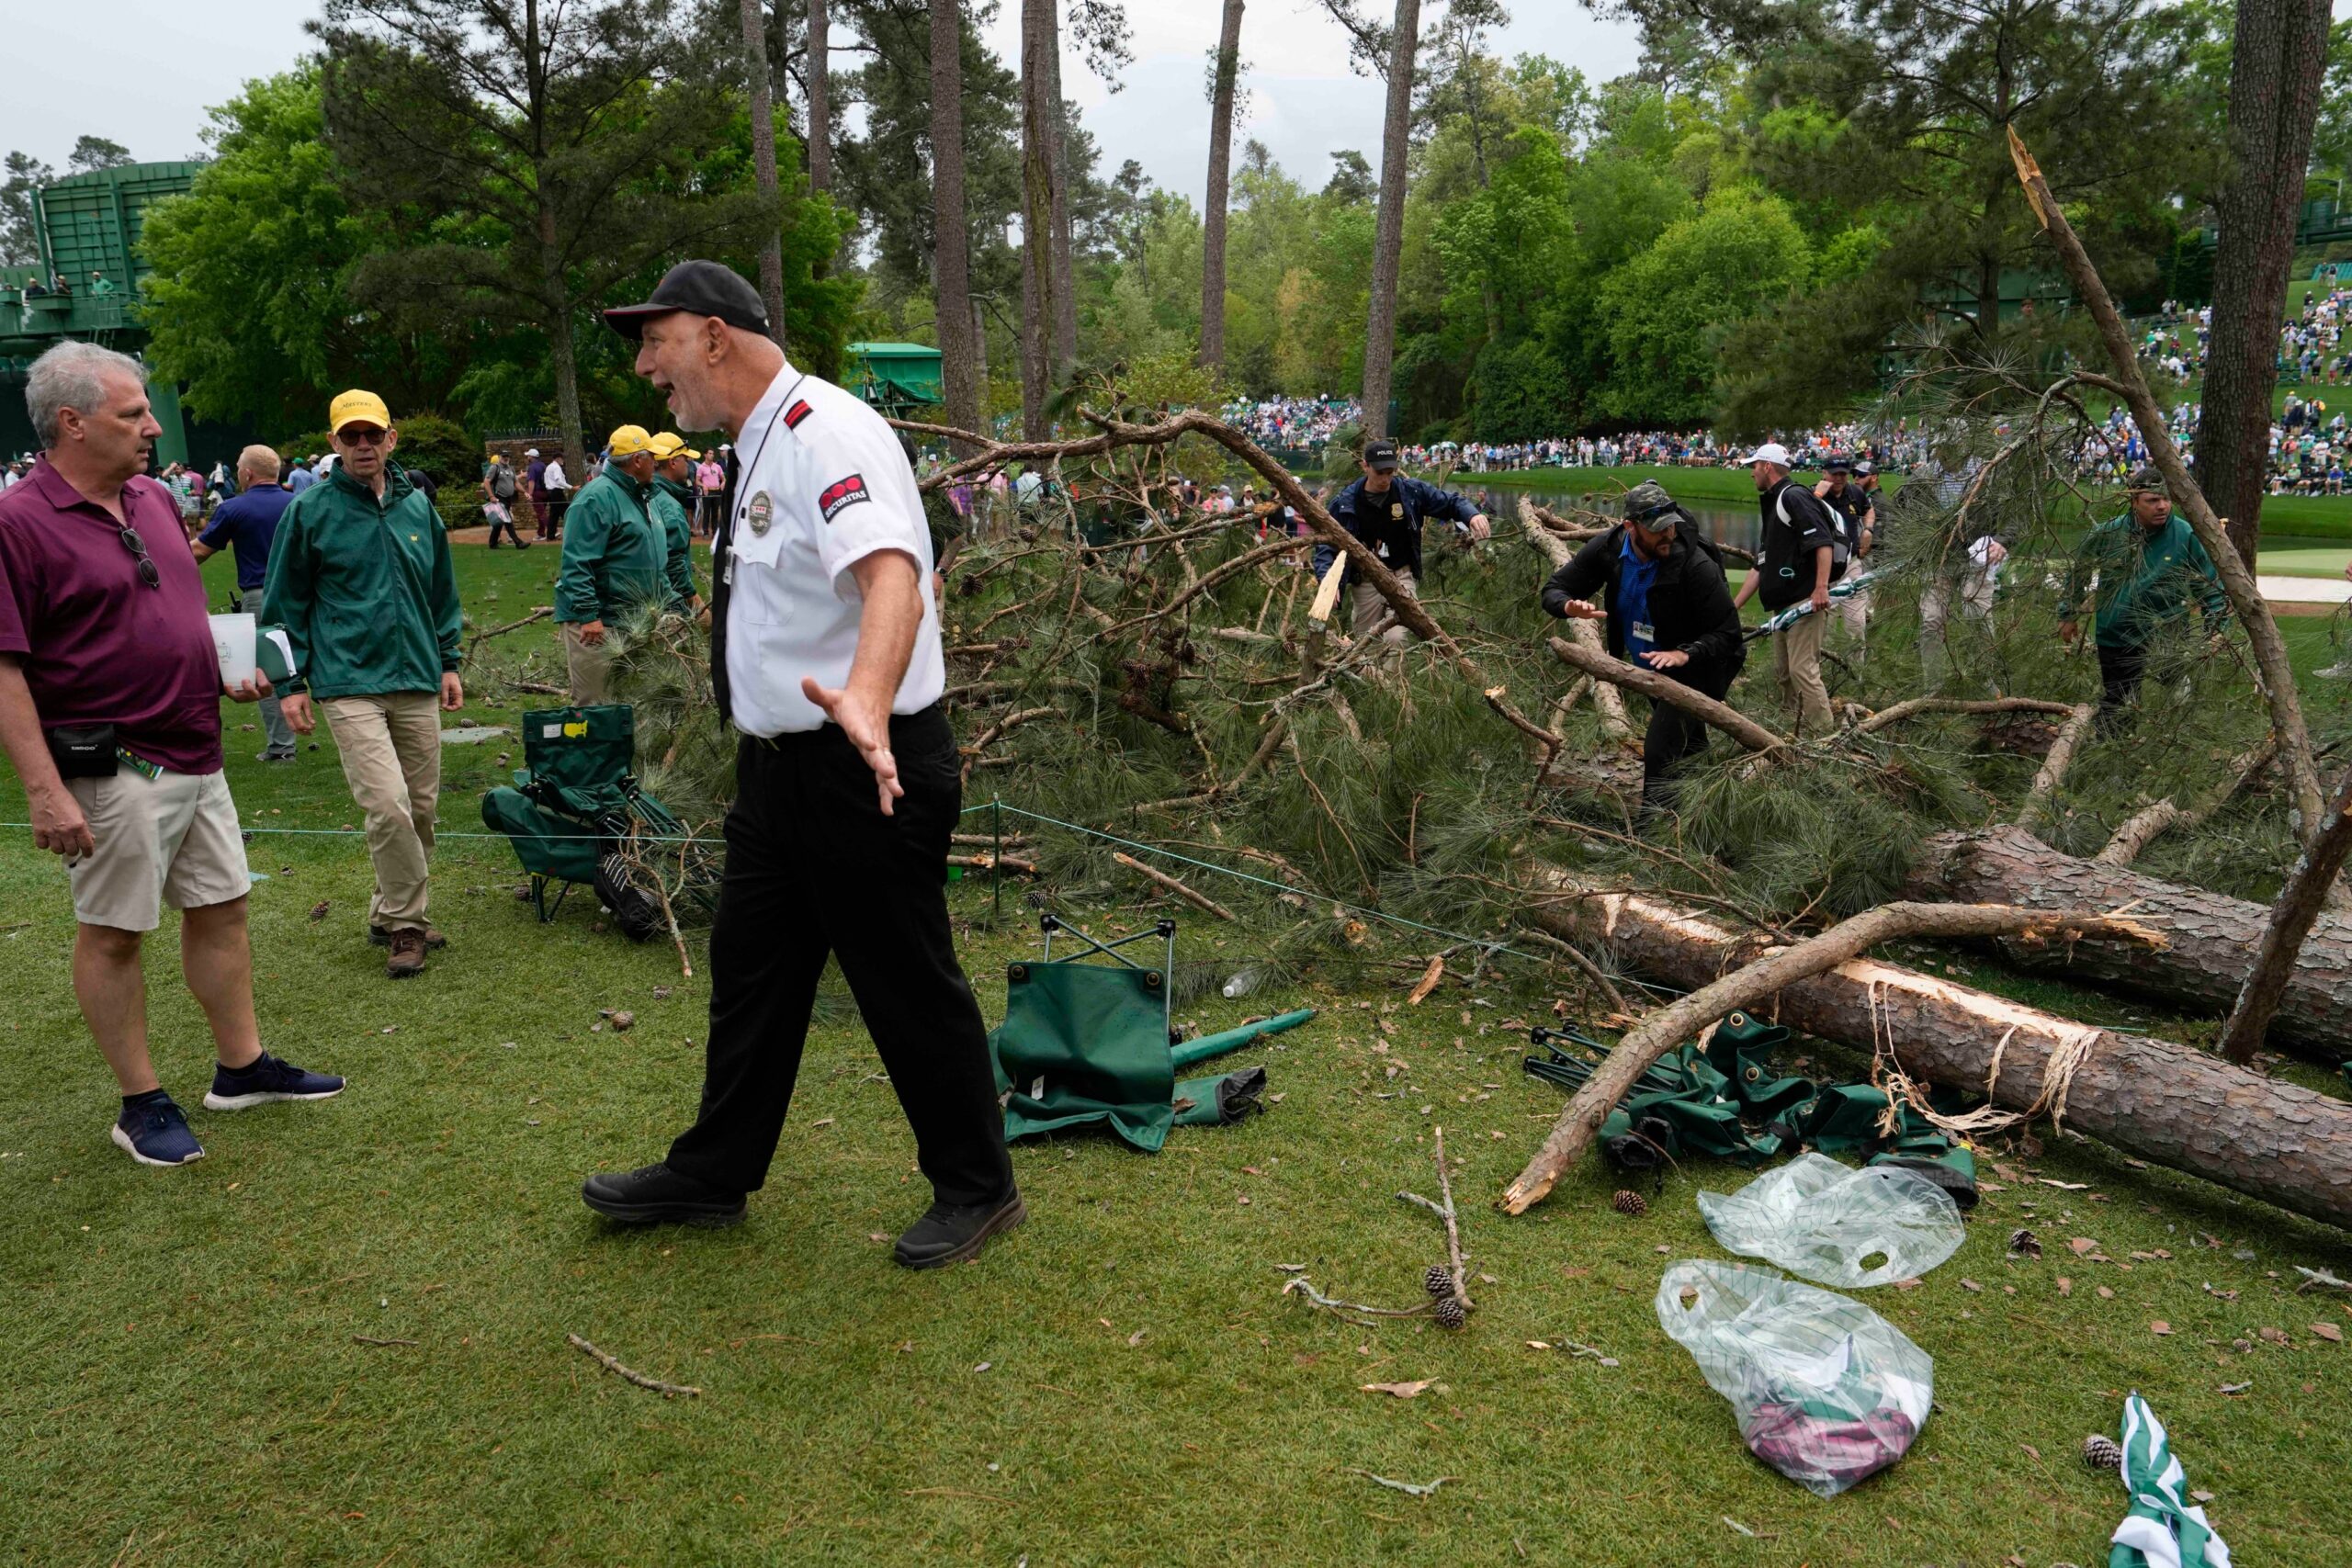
(825, 653)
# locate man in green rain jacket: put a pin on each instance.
(361, 578)
(2149, 568)
(616, 556)
(673, 503)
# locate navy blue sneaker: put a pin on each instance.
(265, 1079)
(155, 1132)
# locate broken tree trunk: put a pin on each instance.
(1614, 723)
(2278, 956)
(1759, 979)
(2165, 1102)
(1665, 689)
(2210, 938)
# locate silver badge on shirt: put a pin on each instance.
(760, 512)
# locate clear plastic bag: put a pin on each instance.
(1838, 1226)
(1828, 1393)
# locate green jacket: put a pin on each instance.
(671, 504)
(2144, 579)
(364, 589)
(616, 554)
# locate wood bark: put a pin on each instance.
(1228, 67)
(820, 98)
(1065, 289)
(1040, 119)
(1911, 706)
(2276, 959)
(1388, 230)
(2052, 771)
(2165, 1102)
(2210, 939)
(1610, 702)
(754, 18)
(2273, 674)
(951, 261)
(1661, 688)
(2278, 55)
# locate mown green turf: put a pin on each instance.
(1122, 1382)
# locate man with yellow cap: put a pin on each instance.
(361, 577)
(673, 504)
(615, 556)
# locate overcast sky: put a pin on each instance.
(147, 77)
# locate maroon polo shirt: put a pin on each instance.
(98, 645)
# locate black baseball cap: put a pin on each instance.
(699, 288)
(1380, 455)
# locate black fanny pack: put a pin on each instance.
(84, 750)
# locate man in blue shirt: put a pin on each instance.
(1384, 510)
(245, 526)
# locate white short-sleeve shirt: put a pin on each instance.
(823, 484)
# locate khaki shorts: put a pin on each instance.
(170, 839)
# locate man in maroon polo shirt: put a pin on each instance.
(110, 713)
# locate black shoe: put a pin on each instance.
(949, 1233)
(655, 1194)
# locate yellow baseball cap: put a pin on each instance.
(669, 444)
(629, 440)
(355, 406)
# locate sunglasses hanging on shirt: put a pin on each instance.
(138, 547)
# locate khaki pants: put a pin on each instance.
(1796, 654)
(590, 667)
(391, 760)
(1365, 606)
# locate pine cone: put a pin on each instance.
(2102, 1452)
(1450, 1313)
(1631, 1203)
(1437, 1281)
(2025, 1243)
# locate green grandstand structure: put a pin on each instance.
(84, 284)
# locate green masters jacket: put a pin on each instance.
(364, 589)
(671, 505)
(616, 554)
(2144, 579)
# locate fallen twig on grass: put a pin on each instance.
(1459, 1275)
(541, 614)
(1304, 1286)
(1416, 1489)
(1911, 706)
(666, 1390)
(1201, 901)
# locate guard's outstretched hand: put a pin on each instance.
(867, 730)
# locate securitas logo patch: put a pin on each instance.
(841, 493)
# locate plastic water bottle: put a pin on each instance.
(1241, 985)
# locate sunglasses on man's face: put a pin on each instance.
(138, 547)
(360, 436)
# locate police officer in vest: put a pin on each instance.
(1384, 509)
(825, 654)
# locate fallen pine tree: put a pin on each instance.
(2165, 1102)
(2210, 939)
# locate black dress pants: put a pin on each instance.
(1675, 736)
(814, 868)
(2120, 673)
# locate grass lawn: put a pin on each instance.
(1119, 1383)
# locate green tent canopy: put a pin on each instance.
(896, 378)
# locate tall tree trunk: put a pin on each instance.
(820, 98)
(1039, 115)
(1388, 235)
(951, 265)
(755, 65)
(2277, 960)
(1065, 286)
(1228, 66)
(563, 358)
(2278, 54)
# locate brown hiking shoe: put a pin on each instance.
(408, 954)
(380, 936)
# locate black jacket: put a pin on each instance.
(1786, 555)
(1689, 602)
(1390, 523)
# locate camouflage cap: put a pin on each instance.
(1647, 501)
(2147, 477)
